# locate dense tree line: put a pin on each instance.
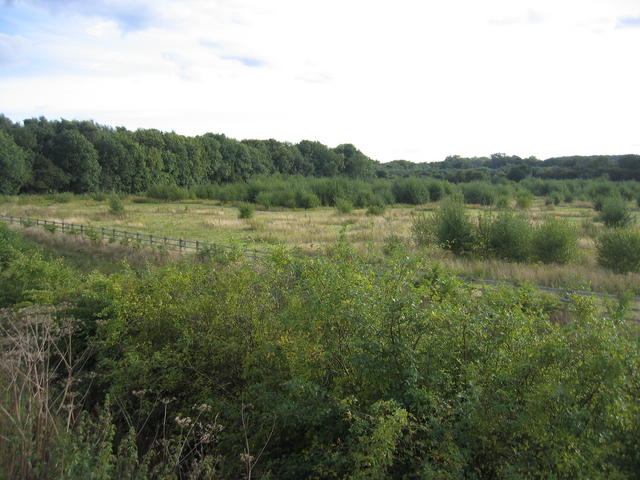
(511, 167)
(81, 156)
(40, 155)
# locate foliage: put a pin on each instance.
(554, 241)
(315, 367)
(376, 210)
(168, 192)
(116, 206)
(245, 210)
(344, 206)
(13, 166)
(410, 190)
(450, 227)
(505, 236)
(619, 250)
(616, 213)
(524, 200)
(479, 193)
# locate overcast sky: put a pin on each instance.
(403, 79)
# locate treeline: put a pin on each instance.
(309, 192)
(304, 367)
(80, 156)
(40, 155)
(458, 169)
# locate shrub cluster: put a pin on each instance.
(504, 235)
(304, 367)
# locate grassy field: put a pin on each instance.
(314, 230)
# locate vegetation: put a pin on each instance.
(619, 250)
(616, 213)
(39, 155)
(300, 367)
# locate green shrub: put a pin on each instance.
(616, 213)
(306, 199)
(502, 202)
(524, 200)
(245, 210)
(63, 197)
(116, 206)
(449, 226)
(619, 250)
(505, 236)
(436, 190)
(598, 202)
(554, 241)
(376, 210)
(99, 196)
(168, 192)
(50, 227)
(479, 193)
(344, 206)
(410, 190)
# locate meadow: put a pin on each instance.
(311, 231)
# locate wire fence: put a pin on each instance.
(180, 244)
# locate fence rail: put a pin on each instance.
(196, 245)
(137, 237)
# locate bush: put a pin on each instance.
(116, 207)
(619, 250)
(479, 193)
(168, 192)
(616, 213)
(64, 197)
(436, 190)
(99, 196)
(449, 226)
(245, 210)
(553, 241)
(376, 210)
(505, 236)
(306, 199)
(344, 206)
(524, 200)
(410, 190)
(502, 202)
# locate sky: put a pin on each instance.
(406, 79)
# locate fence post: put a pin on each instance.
(81, 230)
(151, 239)
(63, 226)
(197, 245)
(180, 244)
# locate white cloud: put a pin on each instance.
(415, 80)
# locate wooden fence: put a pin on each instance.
(101, 233)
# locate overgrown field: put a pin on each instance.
(373, 234)
(317, 367)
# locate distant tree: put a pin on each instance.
(13, 166)
(326, 162)
(77, 157)
(518, 172)
(356, 163)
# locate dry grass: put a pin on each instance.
(313, 230)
